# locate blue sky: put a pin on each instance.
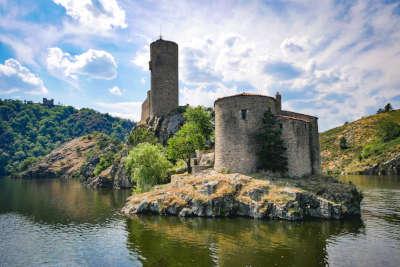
(338, 60)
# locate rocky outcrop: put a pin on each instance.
(390, 167)
(166, 126)
(63, 162)
(78, 158)
(211, 194)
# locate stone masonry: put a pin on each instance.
(163, 65)
(237, 121)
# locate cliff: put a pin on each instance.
(212, 194)
(95, 159)
(363, 152)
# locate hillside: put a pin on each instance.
(364, 150)
(31, 130)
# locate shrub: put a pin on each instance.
(388, 130)
(141, 135)
(147, 165)
(343, 143)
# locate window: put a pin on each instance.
(243, 114)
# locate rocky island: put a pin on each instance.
(212, 194)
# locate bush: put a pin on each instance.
(147, 165)
(141, 135)
(343, 143)
(388, 130)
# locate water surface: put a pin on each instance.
(50, 222)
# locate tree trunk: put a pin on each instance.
(189, 167)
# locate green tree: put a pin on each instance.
(343, 143)
(272, 154)
(388, 130)
(147, 165)
(185, 142)
(201, 118)
(388, 107)
(141, 135)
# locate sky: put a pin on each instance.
(338, 60)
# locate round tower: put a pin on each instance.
(164, 77)
(237, 121)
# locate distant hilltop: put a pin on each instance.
(30, 130)
(370, 145)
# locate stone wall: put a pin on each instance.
(314, 138)
(164, 77)
(235, 142)
(296, 136)
(145, 111)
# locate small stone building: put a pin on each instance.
(238, 119)
(163, 65)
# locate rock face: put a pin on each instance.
(211, 194)
(63, 162)
(78, 158)
(390, 167)
(164, 127)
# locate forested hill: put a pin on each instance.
(370, 145)
(30, 130)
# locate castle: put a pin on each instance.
(238, 119)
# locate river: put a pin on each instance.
(62, 223)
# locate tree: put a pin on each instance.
(201, 118)
(147, 165)
(388, 130)
(343, 143)
(141, 135)
(388, 107)
(272, 153)
(185, 142)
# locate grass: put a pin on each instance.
(365, 147)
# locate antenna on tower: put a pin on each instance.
(160, 33)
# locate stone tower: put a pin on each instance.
(163, 65)
(238, 119)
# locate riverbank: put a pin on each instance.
(212, 194)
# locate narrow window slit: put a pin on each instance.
(243, 113)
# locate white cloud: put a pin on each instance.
(97, 64)
(17, 78)
(126, 110)
(115, 90)
(143, 80)
(336, 60)
(141, 58)
(100, 15)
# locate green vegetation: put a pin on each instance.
(374, 139)
(388, 130)
(202, 118)
(343, 143)
(184, 143)
(141, 134)
(31, 130)
(272, 152)
(147, 165)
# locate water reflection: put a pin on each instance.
(52, 223)
(56, 201)
(171, 241)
